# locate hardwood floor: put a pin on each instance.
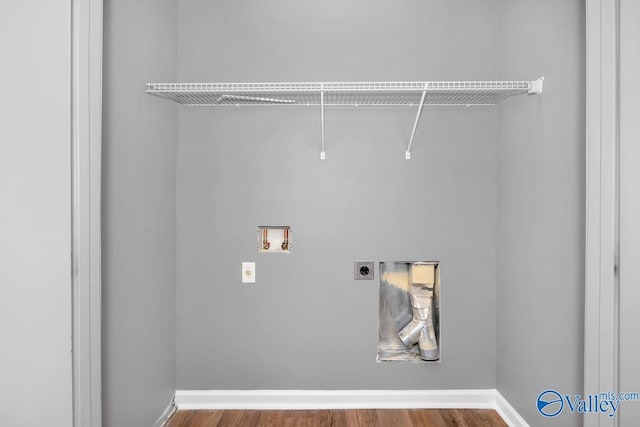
(340, 418)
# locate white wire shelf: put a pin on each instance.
(327, 94)
(438, 93)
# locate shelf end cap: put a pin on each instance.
(536, 86)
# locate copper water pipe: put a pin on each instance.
(285, 241)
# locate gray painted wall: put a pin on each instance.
(541, 199)
(629, 208)
(35, 214)
(139, 149)
(307, 324)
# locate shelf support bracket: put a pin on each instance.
(415, 124)
(536, 86)
(322, 155)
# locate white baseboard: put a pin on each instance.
(349, 399)
(508, 412)
(166, 414)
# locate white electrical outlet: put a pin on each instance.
(248, 272)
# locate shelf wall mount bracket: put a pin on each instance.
(322, 153)
(407, 154)
(536, 86)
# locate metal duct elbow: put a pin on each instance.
(420, 329)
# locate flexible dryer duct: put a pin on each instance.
(420, 329)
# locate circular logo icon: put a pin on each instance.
(550, 403)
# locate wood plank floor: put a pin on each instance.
(340, 418)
